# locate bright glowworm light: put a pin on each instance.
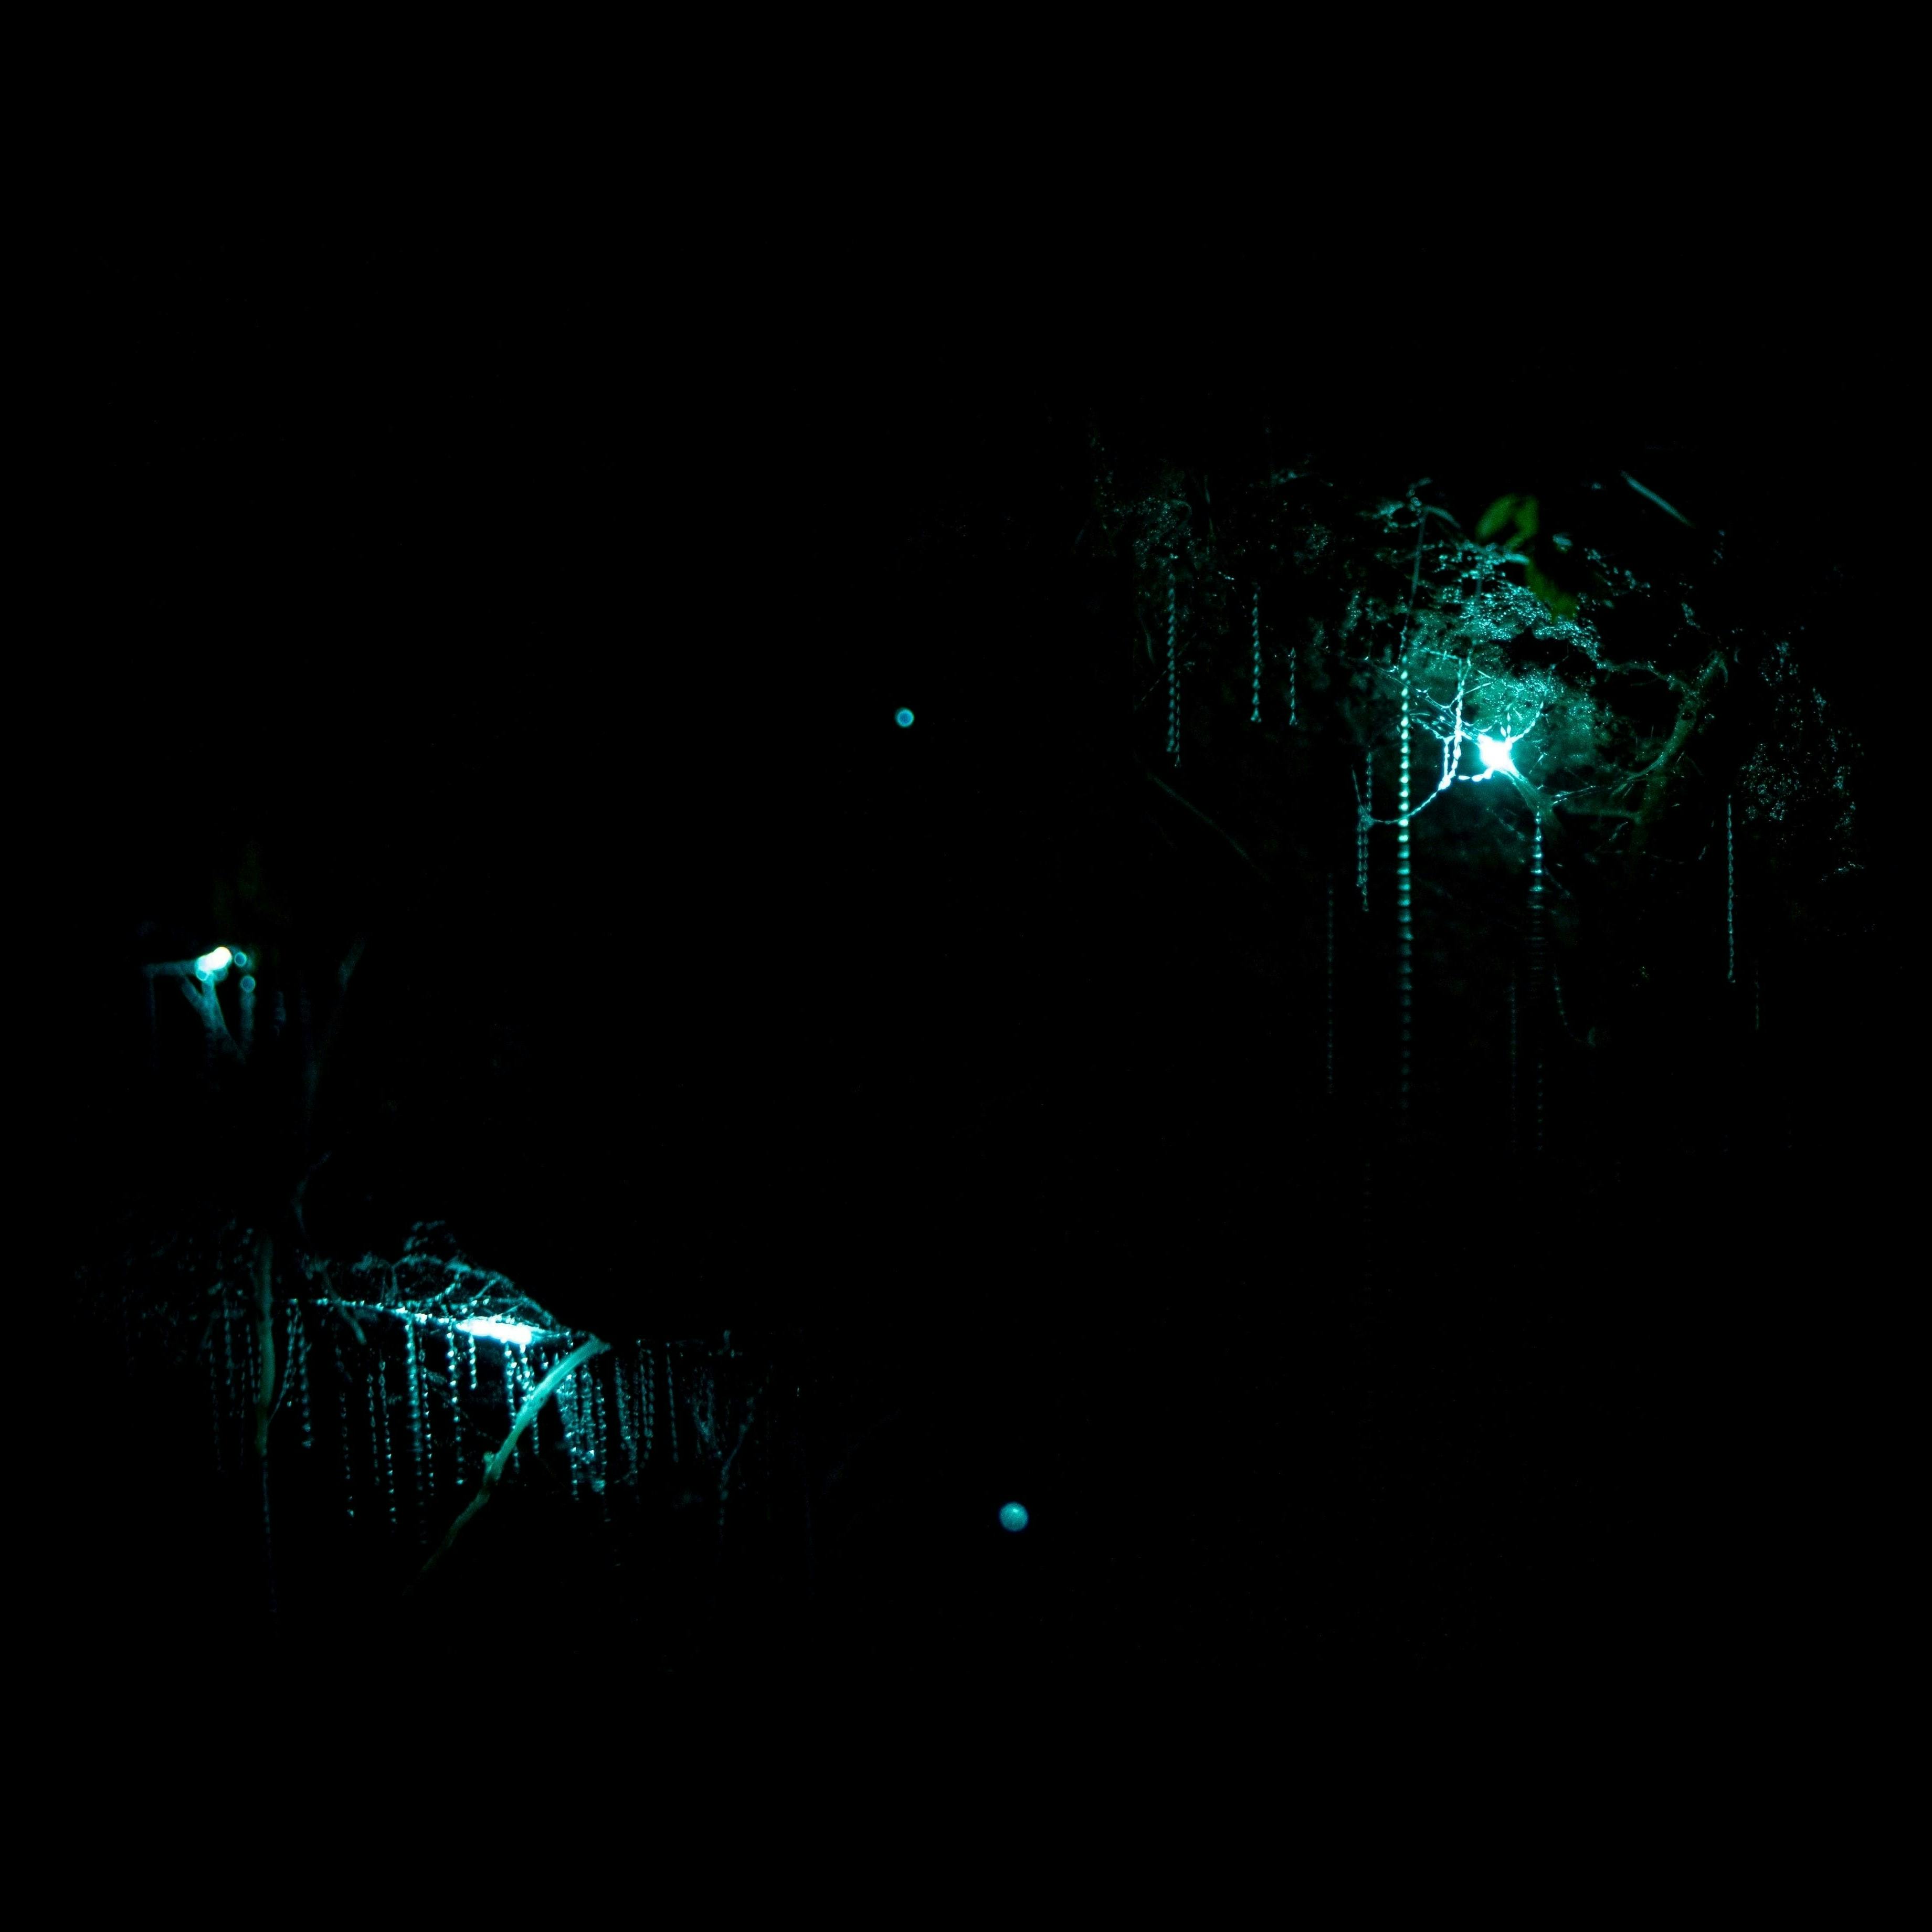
(1013, 1516)
(492, 1328)
(1495, 753)
(902, 717)
(210, 964)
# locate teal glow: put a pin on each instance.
(1668, 510)
(1495, 753)
(210, 964)
(241, 958)
(248, 983)
(1013, 1517)
(902, 717)
(494, 1330)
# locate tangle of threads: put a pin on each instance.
(1255, 715)
(1536, 970)
(1405, 942)
(298, 1346)
(1173, 678)
(413, 1359)
(1362, 828)
(388, 1447)
(228, 1351)
(455, 1393)
(1562, 1011)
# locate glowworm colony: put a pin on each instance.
(1582, 785)
(404, 1393)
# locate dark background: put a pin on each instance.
(544, 622)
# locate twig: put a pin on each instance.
(312, 1269)
(1657, 773)
(1205, 820)
(493, 1470)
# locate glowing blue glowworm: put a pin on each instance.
(902, 717)
(492, 1329)
(1495, 753)
(1013, 1516)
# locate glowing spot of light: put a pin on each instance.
(1495, 753)
(1013, 1516)
(902, 718)
(492, 1328)
(210, 964)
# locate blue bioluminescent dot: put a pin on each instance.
(248, 983)
(493, 1328)
(902, 717)
(1013, 1516)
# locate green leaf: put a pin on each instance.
(1509, 513)
(1559, 602)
